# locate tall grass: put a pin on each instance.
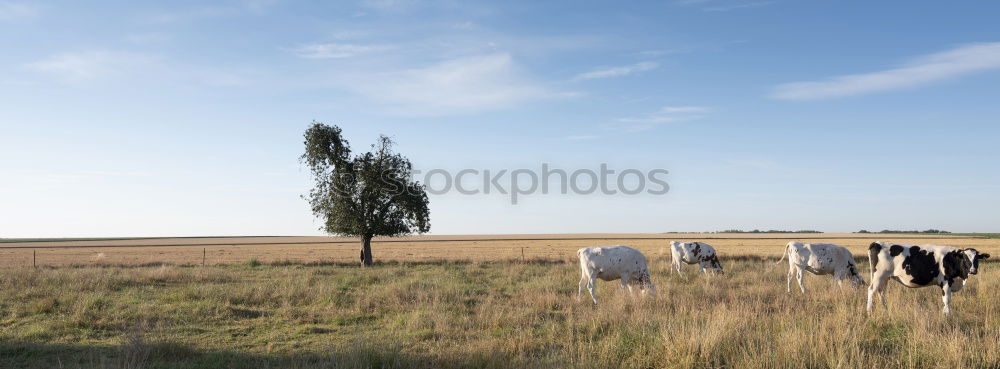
(491, 315)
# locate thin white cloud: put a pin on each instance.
(582, 137)
(685, 109)
(336, 50)
(100, 66)
(10, 11)
(731, 7)
(463, 85)
(350, 34)
(90, 65)
(716, 6)
(390, 5)
(617, 71)
(669, 114)
(960, 61)
(149, 38)
(202, 12)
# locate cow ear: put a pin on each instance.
(984, 256)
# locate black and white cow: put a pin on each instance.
(614, 262)
(699, 253)
(918, 266)
(820, 259)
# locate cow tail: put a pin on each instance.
(783, 253)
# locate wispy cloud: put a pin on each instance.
(731, 7)
(462, 85)
(685, 109)
(90, 65)
(959, 61)
(617, 71)
(243, 7)
(17, 11)
(390, 5)
(669, 114)
(336, 50)
(101, 66)
(722, 5)
(149, 37)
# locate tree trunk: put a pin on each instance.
(366, 251)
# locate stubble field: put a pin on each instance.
(472, 302)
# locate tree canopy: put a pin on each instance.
(367, 195)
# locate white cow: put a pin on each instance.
(614, 262)
(916, 266)
(694, 252)
(820, 259)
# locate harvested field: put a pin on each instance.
(236, 250)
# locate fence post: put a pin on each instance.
(34, 258)
(204, 255)
(522, 254)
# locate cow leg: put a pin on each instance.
(579, 291)
(590, 287)
(946, 297)
(677, 266)
(800, 277)
(791, 273)
(878, 286)
(624, 281)
(838, 279)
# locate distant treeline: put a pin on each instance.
(898, 231)
(768, 231)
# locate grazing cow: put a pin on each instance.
(920, 266)
(820, 259)
(694, 252)
(614, 262)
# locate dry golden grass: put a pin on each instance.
(235, 250)
(467, 301)
(477, 314)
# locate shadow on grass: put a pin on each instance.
(168, 355)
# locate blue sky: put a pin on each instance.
(122, 118)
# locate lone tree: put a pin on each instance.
(364, 196)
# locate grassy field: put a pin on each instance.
(480, 313)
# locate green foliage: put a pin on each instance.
(893, 231)
(983, 235)
(367, 195)
(769, 231)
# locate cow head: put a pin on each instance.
(646, 283)
(858, 281)
(974, 257)
(855, 277)
(716, 265)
